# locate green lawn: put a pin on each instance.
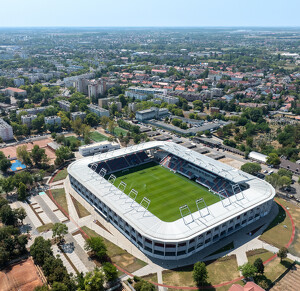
(166, 190)
(119, 130)
(61, 175)
(96, 136)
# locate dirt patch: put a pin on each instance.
(23, 276)
(102, 226)
(12, 150)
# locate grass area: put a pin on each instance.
(60, 197)
(81, 211)
(97, 137)
(166, 190)
(150, 277)
(118, 255)
(45, 227)
(73, 139)
(61, 175)
(294, 210)
(273, 269)
(221, 270)
(279, 231)
(228, 247)
(259, 253)
(119, 130)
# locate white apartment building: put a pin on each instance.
(6, 131)
(52, 120)
(96, 88)
(27, 119)
(98, 110)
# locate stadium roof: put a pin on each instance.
(184, 228)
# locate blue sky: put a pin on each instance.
(15, 13)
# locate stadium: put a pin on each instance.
(170, 201)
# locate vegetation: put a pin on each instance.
(166, 207)
(251, 168)
(200, 274)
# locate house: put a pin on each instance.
(250, 286)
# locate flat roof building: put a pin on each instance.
(98, 110)
(99, 147)
(6, 131)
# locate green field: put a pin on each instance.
(119, 130)
(96, 136)
(166, 190)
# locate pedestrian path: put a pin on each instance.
(57, 251)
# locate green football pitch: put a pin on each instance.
(167, 191)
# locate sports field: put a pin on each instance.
(166, 190)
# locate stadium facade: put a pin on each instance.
(244, 198)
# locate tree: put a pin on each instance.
(110, 271)
(20, 214)
(7, 215)
(111, 126)
(87, 134)
(21, 192)
(7, 184)
(4, 164)
(200, 274)
(77, 126)
(104, 121)
(59, 230)
(282, 253)
(143, 285)
(23, 155)
(285, 181)
(40, 250)
(251, 168)
(94, 281)
(259, 265)
(38, 155)
(42, 288)
(284, 172)
(92, 119)
(97, 246)
(62, 154)
(273, 159)
(38, 123)
(248, 270)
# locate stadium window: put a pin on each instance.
(244, 221)
(182, 244)
(180, 253)
(158, 253)
(192, 240)
(238, 217)
(230, 229)
(222, 233)
(148, 241)
(191, 249)
(207, 241)
(148, 249)
(170, 254)
(159, 245)
(170, 246)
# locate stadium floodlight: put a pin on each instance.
(112, 178)
(201, 205)
(132, 196)
(102, 172)
(145, 204)
(185, 212)
(223, 194)
(237, 190)
(122, 186)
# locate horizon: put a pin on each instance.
(167, 13)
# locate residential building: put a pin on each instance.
(10, 91)
(96, 88)
(142, 93)
(19, 82)
(82, 85)
(152, 113)
(79, 114)
(132, 107)
(52, 120)
(6, 131)
(98, 110)
(27, 119)
(168, 99)
(99, 147)
(34, 110)
(64, 105)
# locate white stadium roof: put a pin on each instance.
(189, 226)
